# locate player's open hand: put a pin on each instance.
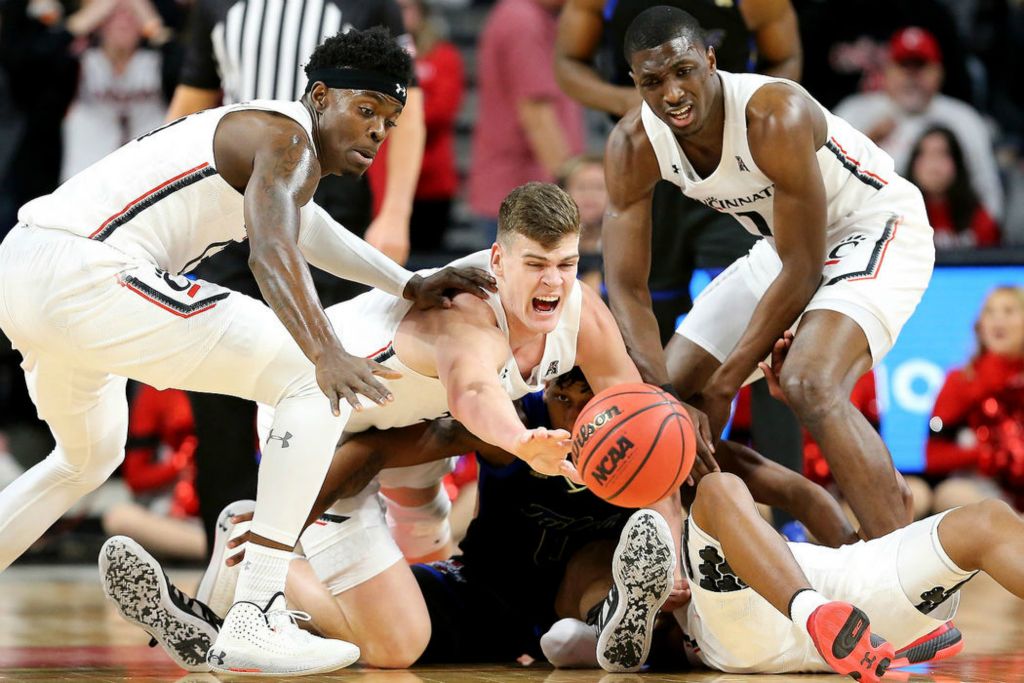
(233, 558)
(436, 290)
(774, 371)
(344, 376)
(545, 450)
(705, 461)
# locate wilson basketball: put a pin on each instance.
(633, 444)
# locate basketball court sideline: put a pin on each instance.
(55, 625)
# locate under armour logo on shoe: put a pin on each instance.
(868, 660)
(216, 657)
(743, 166)
(282, 439)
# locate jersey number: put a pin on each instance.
(758, 220)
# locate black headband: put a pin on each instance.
(358, 79)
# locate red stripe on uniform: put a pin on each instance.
(138, 199)
(857, 163)
(157, 303)
(380, 350)
(832, 262)
(878, 268)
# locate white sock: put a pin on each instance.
(570, 644)
(263, 574)
(803, 605)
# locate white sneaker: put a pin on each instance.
(642, 568)
(267, 642)
(134, 581)
(217, 587)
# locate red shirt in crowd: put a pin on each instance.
(987, 399)
(515, 63)
(161, 441)
(983, 231)
(440, 76)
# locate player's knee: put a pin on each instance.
(399, 648)
(90, 468)
(994, 514)
(811, 395)
(422, 530)
(716, 492)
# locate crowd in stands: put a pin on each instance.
(933, 82)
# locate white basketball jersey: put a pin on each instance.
(367, 324)
(855, 171)
(160, 197)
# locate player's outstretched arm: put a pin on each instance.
(469, 352)
(631, 170)
(784, 131)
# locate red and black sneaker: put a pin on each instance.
(943, 642)
(842, 635)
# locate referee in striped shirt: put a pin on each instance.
(255, 49)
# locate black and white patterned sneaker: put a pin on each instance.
(135, 582)
(642, 568)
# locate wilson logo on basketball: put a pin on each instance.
(608, 463)
(586, 431)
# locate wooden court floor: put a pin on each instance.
(55, 625)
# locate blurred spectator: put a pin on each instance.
(937, 167)
(440, 75)
(845, 44)
(119, 93)
(583, 178)
(158, 468)
(896, 117)
(526, 126)
(977, 425)
(41, 73)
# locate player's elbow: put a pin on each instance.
(463, 401)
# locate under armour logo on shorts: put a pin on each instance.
(282, 439)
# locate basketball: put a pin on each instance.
(633, 444)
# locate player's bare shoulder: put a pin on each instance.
(466, 309)
(779, 109)
(631, 167)
(247, 137)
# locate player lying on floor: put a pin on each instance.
(540, 548)
(754, 599)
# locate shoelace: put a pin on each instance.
(286, 618)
